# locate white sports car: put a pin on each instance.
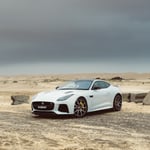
(78, 97)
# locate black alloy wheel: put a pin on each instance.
(80, 108)
(117, 104)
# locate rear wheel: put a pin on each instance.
(80, 107)
(117, 102)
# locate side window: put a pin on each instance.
(104, 84)
(100, 85)
(96, 85)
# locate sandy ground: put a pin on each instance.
(128, 129)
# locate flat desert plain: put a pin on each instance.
(128, 129)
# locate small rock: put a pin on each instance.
(146, 100)
(117, 79)
(19, 99)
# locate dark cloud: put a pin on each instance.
(74, 30)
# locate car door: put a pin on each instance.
(101, 97)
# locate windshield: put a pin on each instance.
(77, 85)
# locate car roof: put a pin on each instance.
(92, 80)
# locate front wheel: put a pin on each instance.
(117, 104)
(80, 107)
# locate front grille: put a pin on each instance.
(43, 105)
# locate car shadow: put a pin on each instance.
(54, 116)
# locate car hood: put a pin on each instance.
(54, 95)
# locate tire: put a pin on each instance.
(80, 107)
(117, 104)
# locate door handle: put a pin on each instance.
(91, 96)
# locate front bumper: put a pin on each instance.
(42, 107)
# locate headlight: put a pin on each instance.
(64, 97)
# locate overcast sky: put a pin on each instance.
(69, 36)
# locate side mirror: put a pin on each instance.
(57, 87)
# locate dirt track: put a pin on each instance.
(101, 130)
